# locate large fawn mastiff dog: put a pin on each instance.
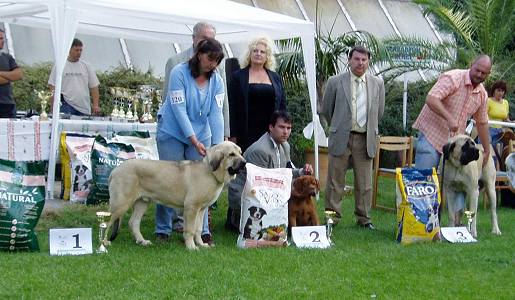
(464, 172)
(191, 185)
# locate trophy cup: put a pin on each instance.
(103, 217)
(134, 100)
(150, 119)
(115, 93)
(329, 216)
(469, 214)
(146, 92)
(159, 96)
(129, 114)
(43, 97)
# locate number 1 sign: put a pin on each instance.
(310, 237)
(70, 241)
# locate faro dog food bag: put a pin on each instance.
(22, 197)
(417, 212)
(104, 158)
(264, 207)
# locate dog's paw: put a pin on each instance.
(496, 231)
(144, 243)
(204, 245)
(192, 247)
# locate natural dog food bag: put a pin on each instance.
(104, 158)
(22, 197)
(417, 210)
(264, 207)
(145, 146)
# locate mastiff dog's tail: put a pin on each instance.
(116, 227)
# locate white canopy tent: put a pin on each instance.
(157, 20)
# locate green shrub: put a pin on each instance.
(391, 123)
(34, 78)
(299, 107)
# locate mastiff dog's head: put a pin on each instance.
(225, 160)
(460, 150)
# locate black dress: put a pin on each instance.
(261, 106)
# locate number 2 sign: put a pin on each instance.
(310, 237)
(70, 241)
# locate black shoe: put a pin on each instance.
(206, 238)
(162, 237)
(368, 226)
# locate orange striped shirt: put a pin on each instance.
(460, 98)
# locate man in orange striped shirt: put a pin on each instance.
(456, 96)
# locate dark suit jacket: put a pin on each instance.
(238, 93)
(337, 111)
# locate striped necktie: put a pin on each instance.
(361, 103)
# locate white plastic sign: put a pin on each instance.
(310, 237)
(457, 235)
(70, 241)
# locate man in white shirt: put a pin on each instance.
(79, 90)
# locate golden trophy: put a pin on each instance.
(103, 217)
(329, 216)
(43, 96)
(470, 215)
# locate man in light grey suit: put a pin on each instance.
(271, 151)
(353, 105)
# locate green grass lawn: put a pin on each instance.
(362, 265)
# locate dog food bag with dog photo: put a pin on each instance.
(104, 158)
(417, 212)
(78, 148)
(22, 197)
(264, 207)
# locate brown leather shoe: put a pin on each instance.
(206, 238)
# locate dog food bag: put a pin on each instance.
(417, 212)
(145, 146)
(78, 147)
(22, 197)
(264, 207)
(104, 158)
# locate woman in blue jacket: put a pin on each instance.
(191, 119)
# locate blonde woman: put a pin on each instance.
(254, 93)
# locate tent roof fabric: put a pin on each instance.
(161, 19)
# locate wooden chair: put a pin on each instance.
(501, 177)
(402, 145)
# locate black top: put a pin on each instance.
(261, 107)
(7, 63)
(239, 105)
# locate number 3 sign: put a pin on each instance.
(310, 237)
(70, 241)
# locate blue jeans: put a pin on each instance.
(70, 110)
(427, 157)
(170, 148)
